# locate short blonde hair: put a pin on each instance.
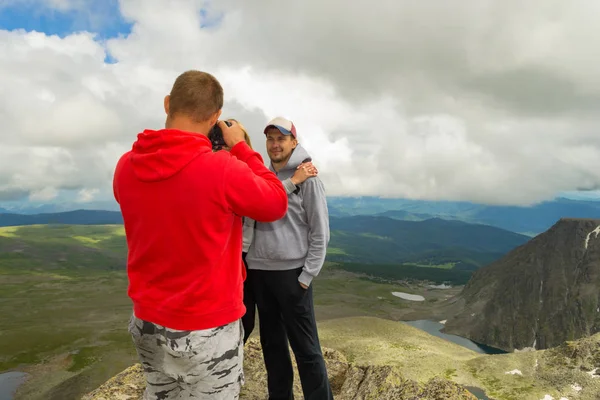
(246, 136)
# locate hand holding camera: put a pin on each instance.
(226, 134)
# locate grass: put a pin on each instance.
(450, 373)
(79, 319)
(409, 272)
(55, 312)
(9, 231)
(64, 310)
(374, 236)
(374, 341)
(80, 322)
(420, 355)
(63, 293)
(64, 306)
(336, 251)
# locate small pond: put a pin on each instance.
(9, 382)
(434, 328)
(477, 392)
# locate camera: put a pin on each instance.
(216, 136)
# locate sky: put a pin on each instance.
(489, 101)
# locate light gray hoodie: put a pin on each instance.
(300, 238)
(248, 226)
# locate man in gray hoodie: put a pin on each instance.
(284, 258)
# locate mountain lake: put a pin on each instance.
(9, 382)
(434, 328)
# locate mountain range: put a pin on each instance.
(538, 295)
(59, 207)
(530, 220)
(76, 217)
(362, 239)
(455, 244)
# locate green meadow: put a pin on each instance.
(64, 306)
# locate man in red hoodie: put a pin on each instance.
(182, 205)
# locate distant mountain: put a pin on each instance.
(63, 206)
(540, 294)
(380, 242)
(77, 217)
(528, 220)
(377, 240)
(538, 218)
(378, 205)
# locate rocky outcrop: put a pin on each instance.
(349, 381)
(539, 295)
(563, 362)
(569, 371)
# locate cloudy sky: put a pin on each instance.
(492, 101)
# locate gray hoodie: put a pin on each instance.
(300, 238)
(248, 226)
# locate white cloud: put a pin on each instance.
(44, 194)
(59, 5)
(87, 195)
(462, 100)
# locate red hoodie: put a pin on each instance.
(182, 205)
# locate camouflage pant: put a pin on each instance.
(204, 364)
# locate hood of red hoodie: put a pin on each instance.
(158, 155)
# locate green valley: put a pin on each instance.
(64, 306)
(435, 250)
(64, 310)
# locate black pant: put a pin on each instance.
(285, 312)
(250, 316)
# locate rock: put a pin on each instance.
(128, 385)
(570, 363)
(386, 382)
(378, 382)
(438, 388)
(538, 295)
(348, 381)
